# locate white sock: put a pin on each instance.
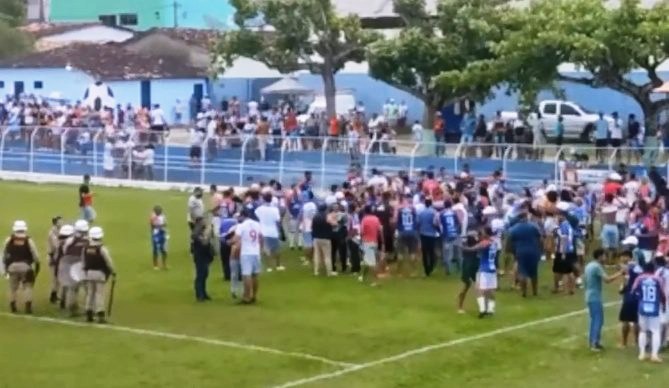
(655, 343)
(481, 301)
(643, 341)
(491, 306)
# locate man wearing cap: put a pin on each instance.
(21, 262)
(53, 243)
(195, 207)
(98, 267)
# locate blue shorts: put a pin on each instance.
(250, 264)
(307, 240)
(88, 213)
(610, 236)
(528, 266)
(158, 241)
(271, 245)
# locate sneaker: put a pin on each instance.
(281, 268)
(360, 279)
(461, 311)
(269, 270)
(595, 349)
(656, 360)
(156, 268)
(643, 357)
(333, 273)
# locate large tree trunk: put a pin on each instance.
(330, 91)
(429, 113)
(651, 113)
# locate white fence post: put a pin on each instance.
(96, 138)
(367, 152)
(284, 145)
(242, 160)
(324, 147)
(63, 136)
(2, 147)
(31, 155)
(505, 157)
(203, 160)
(558, 154)
(415, 149)
(458, 150)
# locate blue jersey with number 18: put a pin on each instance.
(648, 290)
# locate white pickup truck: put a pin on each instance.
(576, 118)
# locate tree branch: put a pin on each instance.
(577, 80)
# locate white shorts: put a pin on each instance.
(250, 264)
(650, 323)
(486, 281)
(369, 254)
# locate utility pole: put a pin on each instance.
(175, 9)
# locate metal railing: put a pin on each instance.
(238, 159)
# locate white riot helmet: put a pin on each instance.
(81, 226)
(96, 233)
(66, 231)
(19, 226)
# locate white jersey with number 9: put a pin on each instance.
(249, 233)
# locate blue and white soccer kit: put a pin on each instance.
(487, 276)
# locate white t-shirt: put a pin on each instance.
(460, 208)
(249, 233)
(107, 158)
(149, 156)
(253, 108)
(269, 217)
(417, 131)
(308, 212)
(617, 129)
(196, 137)
(211, 128)
(157, 116)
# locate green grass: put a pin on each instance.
(336, 318)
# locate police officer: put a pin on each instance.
(73, 250)
(203, 255)
(98, 267)
(21, 262)
(53, 244)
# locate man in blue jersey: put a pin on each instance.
(487, 249)
(407, 243)
(628, 315)
(594, 277)
(649, 290)
(159, 237)
(525, 243)
(427, 229)
(226, 225)
(663, 273)
(450, 229)
(565, 252)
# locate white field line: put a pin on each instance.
(580, 336)
(429, 348)
(183, 337)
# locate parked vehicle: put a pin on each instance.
(578, 121)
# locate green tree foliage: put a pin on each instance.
(606, 41)
(295, 35)
(12, 15)
(445, 57)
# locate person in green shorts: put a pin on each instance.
(470, 266)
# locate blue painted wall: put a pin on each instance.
(71, 84)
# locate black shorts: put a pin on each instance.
(388, 245)
(470, 267)
(616, 143)
(601, 143)
(629, 311)
(195, 152)
(407, 242)
(564, 263)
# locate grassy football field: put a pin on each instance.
(305, 331)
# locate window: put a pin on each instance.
(550, 109)
(108, 20)
(2, 84)
(38, 84)
(128, 19)
(568, 110)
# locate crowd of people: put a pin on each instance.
(378, 228)
(476, 229)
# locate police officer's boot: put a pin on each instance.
(101, 317)
(12, 307)
(53, 298)
(89, 315)
(29, 307)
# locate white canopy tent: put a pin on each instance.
(287, 86)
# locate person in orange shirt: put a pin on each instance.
(371, 233)
(439, 128)
(86, 200)
(333, 131)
